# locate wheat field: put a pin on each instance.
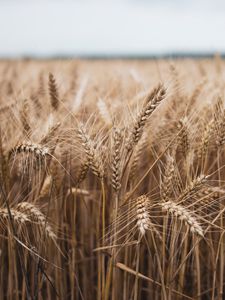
(112, 180)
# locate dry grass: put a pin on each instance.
(112, 180)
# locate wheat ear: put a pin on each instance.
(17, 216)
(151, 103)
(183, 214)
(35, 214)
(168, 176)
(183, 135)
(24, 117)
(141, 146)
(29, 147)
(209, 128)
(53, 92)
(50, 134)
(143, 216)
(193, 186)
(94, 159)
(116, 159)
(104, 112)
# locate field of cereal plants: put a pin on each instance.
(112, 179)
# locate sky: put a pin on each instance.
(46, 28)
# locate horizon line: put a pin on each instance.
(173, 55)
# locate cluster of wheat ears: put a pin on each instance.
(112, 179)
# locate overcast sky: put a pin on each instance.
(95, 27)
